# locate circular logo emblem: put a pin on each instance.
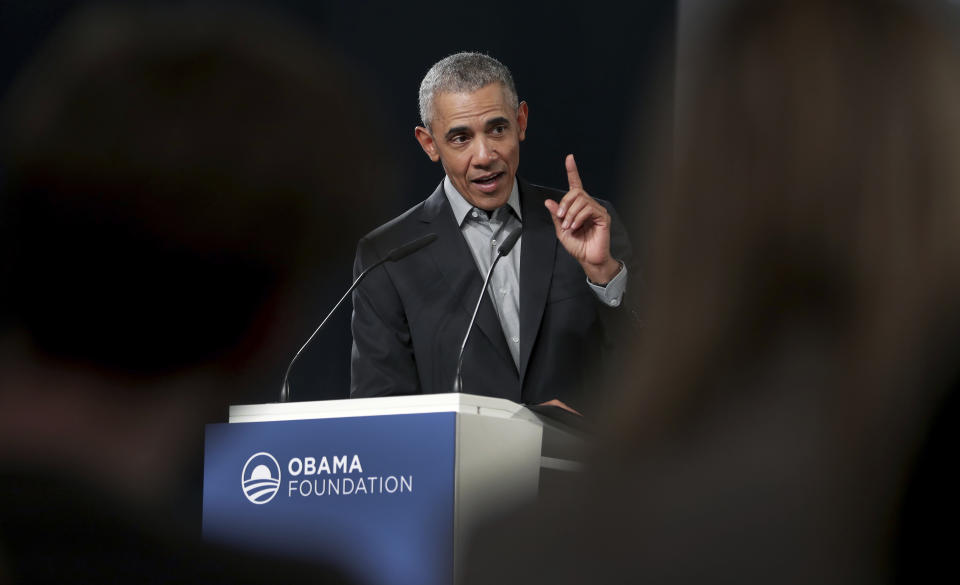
(261, 478)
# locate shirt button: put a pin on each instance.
(516, 340)
(475, 214)
(493, 242)
(615, 303)
(503, 291)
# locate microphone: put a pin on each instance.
(502, 251)
(393, 255)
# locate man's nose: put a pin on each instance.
(485, 153)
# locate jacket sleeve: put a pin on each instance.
(382, 361)
(622, 249)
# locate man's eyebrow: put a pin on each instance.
(498, 121)
(456, 130)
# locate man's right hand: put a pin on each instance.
(583, 227)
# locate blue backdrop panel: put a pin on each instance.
(375, 495)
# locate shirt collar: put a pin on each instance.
(461, 207)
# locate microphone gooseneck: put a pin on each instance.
(502, 251)
(391, 256)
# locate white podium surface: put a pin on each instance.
(452, 402)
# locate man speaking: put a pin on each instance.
(546, 315)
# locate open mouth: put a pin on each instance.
(487, 182)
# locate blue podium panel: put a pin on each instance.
(373, 495)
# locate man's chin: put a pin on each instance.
(490, 202)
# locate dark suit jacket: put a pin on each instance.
(410, 316)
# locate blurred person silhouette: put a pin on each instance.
(172, 175)
(790, 417)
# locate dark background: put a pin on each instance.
(586, 69)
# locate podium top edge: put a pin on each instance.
(387, 405)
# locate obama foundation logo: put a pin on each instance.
(261, 478)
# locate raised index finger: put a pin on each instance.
(573, 176)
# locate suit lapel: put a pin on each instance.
(459, 269)
(536, 267)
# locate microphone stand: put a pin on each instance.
(502, 251)
(392, 256)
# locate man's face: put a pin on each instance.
(476, 136)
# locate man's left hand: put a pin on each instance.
(560, 404)
(583, 227)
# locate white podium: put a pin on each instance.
(388, 488)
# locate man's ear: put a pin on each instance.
(427, 143)
(522, 114)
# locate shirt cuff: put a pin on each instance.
(612, 293)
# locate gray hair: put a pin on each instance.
(463, 72)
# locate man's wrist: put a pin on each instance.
(603, 274)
